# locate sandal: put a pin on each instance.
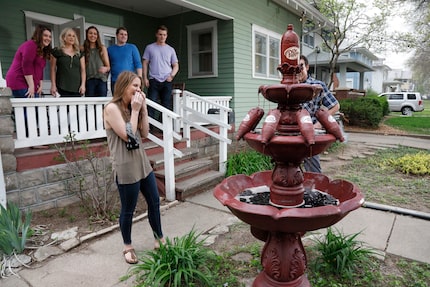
(133, 259)
(157, 243)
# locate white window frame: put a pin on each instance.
(210, 26)
(308, 37)
(269, 35)
(54, 20)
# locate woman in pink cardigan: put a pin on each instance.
(25, 75)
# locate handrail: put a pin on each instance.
(191, 115)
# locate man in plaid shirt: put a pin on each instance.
(325, 100)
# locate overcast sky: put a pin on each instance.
(397, 60)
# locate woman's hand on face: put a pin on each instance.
(137, 101)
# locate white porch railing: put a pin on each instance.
(44, 121)
(193, 110)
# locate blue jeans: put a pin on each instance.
(312, 164)
(161, 93)
(129, 194)
(112, 86)
(21, 93)
(96, 88)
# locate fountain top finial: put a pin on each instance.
(290, 56)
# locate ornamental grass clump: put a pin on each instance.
(177, 263)
(248, 162)
(14, 233)
(340, 254)
(14, 229)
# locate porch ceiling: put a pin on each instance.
(153, 8)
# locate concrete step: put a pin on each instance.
(188, 168)
(157, 159)
(198, 183)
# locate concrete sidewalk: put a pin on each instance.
(101, 263)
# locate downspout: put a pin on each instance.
(398, 210)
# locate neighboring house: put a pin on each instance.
(378, 79)
(350, 67)
(404, 80)
(225, 48)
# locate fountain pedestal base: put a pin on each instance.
(283, 258)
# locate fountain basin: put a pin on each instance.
(290, 95)
(288, 220)
(296, 149)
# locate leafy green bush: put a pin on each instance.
(418, 164)
(177, 263)
(340, 254)
(14, 230)
(248, 162)
(364, 111)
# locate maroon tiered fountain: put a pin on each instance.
(288, 136)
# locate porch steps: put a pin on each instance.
(192, 174)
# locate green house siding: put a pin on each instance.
(245, 13)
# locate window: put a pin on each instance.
(396, 97)
(266, 53)
(412, 96)
(308, 37)
(202, 50)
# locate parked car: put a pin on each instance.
(405, 102)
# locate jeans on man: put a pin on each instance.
(161, 93)
(312, 164)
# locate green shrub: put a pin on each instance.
(364, 111)
(248, 162)
(177, 263)
(14, 230)
(340, 254)
(418, 164)
(371, 93)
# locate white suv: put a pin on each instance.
(405, 102)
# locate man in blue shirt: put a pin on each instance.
(324, 100)
(123, 56)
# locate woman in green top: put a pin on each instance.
(68, 67)
(97, 64)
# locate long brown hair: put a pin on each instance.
(87, 44)
(37, 37)
(123, 81)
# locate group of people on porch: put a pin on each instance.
(83, 70)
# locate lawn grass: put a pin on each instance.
(418, 123)
(382, 183)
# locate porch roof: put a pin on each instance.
(166, 8)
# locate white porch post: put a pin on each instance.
(2, 185)
(222, 144)
(169, 158)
